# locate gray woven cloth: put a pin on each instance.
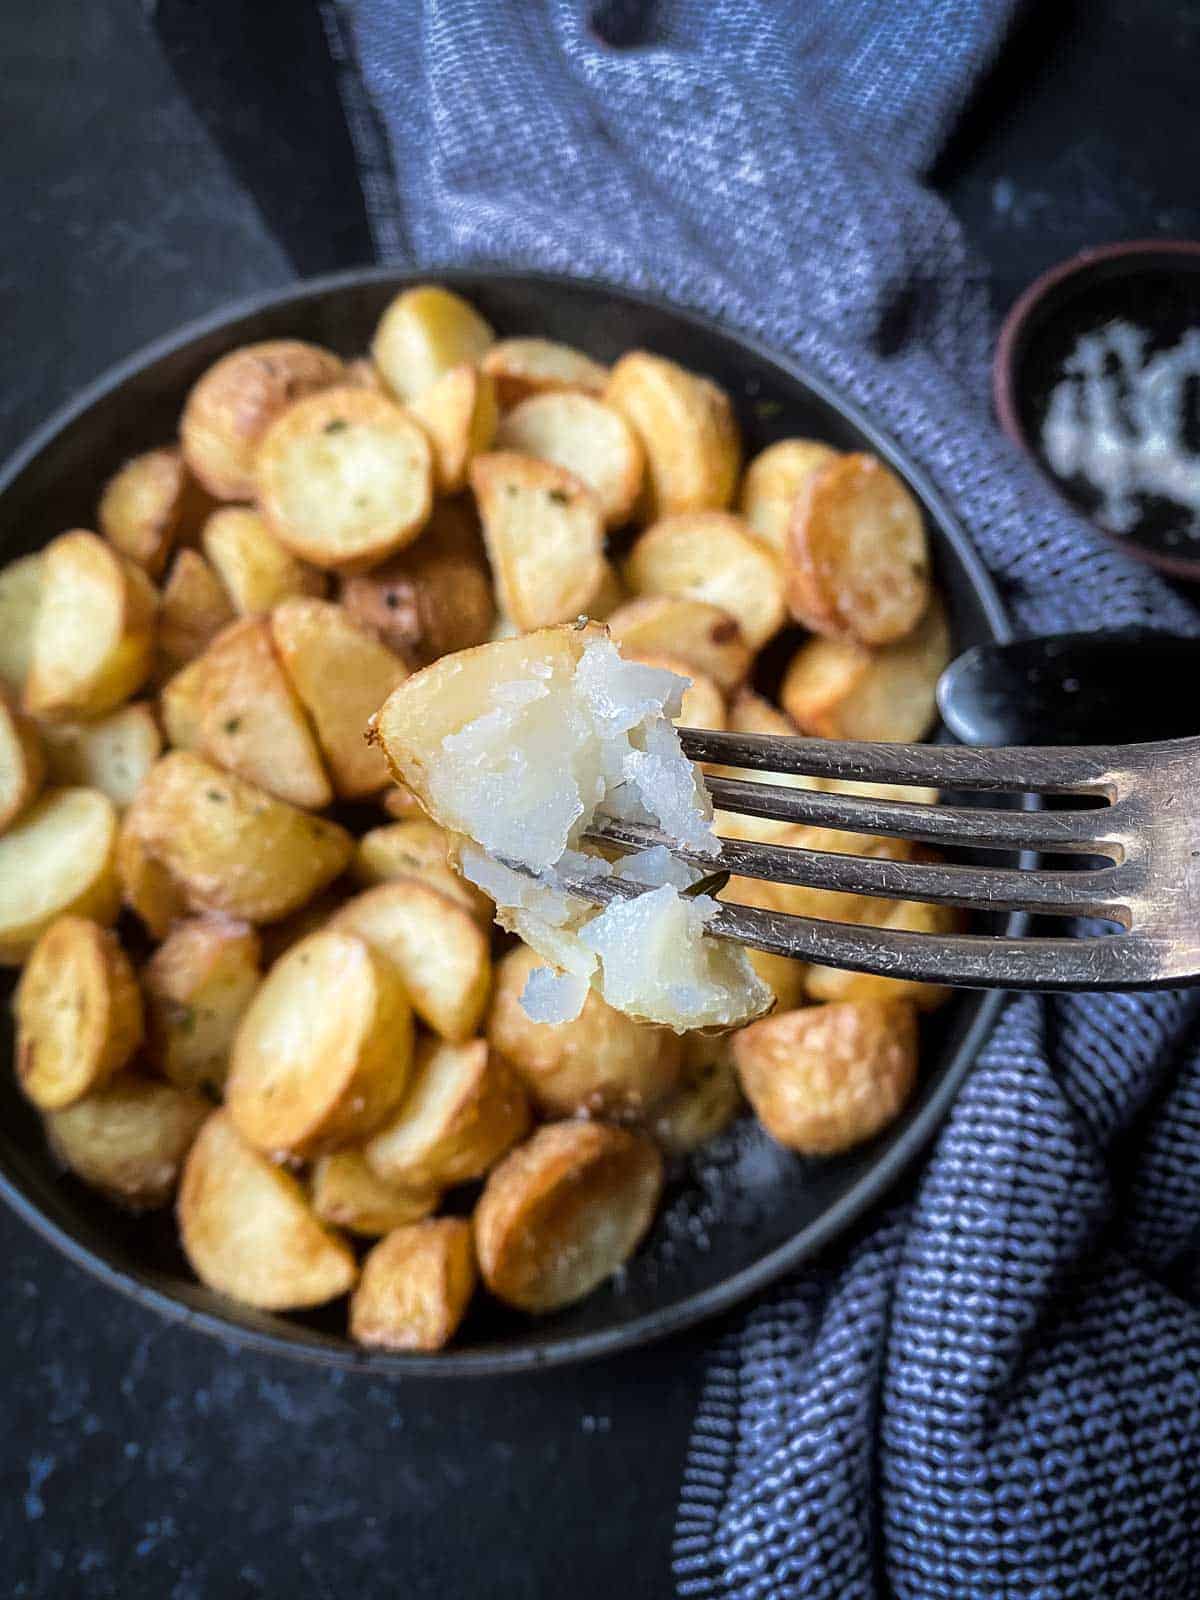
(995, 1390)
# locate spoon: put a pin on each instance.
(1073, 688)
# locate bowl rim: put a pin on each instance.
(1004, 378)
(699, 1306)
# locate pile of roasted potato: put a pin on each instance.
(251, 981)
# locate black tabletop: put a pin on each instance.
(141, 1460)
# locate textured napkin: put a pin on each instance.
(995, 1390)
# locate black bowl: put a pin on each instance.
(742, 1213)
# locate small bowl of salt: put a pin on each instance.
(1097, 377)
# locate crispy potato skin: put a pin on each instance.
(826, 1078)
(57, 859)
(128, 1139)
(712, 556)
(703, 635)
(425, 332)
(144, 507)
(563, 1211)
(197, 986)
(248, 1229)
(234, 402)
(193, 609)
(349, 1194)
(773, 480)
(524, 367)
(603, 1064)
(585, 437)
(20, 599)
(415, 1287)
(687, 429)
(79, 1013)
(459, 413)
(416, 848)
(146, 886)
(22, 763)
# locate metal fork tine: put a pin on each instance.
(1090, 832)
(1079, 770)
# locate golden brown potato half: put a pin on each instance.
(146, 886)
(603, 1063)
(773, 480)
(194, 607)
(703, 702)
(464, 1109)
(786, 979)
(128, 1139)
(324, 1049)
(248, 1230)
(524, 367)
(348, 1193)
(112, 753)
(93, 641)
(230, 846)
(687, 428)
(828, 1077)
(237, 399)
(587, 439)
(236, 705)
(562, 1212)
(712, 556)
(416, 1285)
(425, 332)
(706, 1101)
(416, 848)
(440, 951)
(839, 690)
(149, 504)
(857, 556)
(433, 598)
(22, 763)
(197, 985)
(20, 598)
(58, 858)
(342, 674)
(703, 635)
(833, 983)
(344, 478)
(256, 571)
(459, 413)
(544, 535)
(79, 1013)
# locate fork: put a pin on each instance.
(1140, 820)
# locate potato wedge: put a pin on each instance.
(712, 556)
(57, 858)
(257, 572)
(415, 1287)
(248, 1230)
(703, 635)
(324, 1050)
(460, 414)
(128, 1139)
(20, 599)
(194, 607)
(146, 886)
(773, 480)
(433, 598)
(786, 979)
(342, 674)
(603, 1064)
(687, 428)
(833, 983)
(197, 985)
(349, 1193)
(839, 690)
(112, 753)
(416, 848)
(544, 535)
(149, 504)
(78, 1011)
(236, 705)
(703, 702)
(586, 438)
(562, 1212)
(93, 641)
(464, 1109)
(237, 399)
(435, 943)
(231, 847)
(425, 332)
(524, 367)
(707, 1099)
(344, 478)
(22, 763)
(857, 556)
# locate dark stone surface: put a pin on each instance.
(140, 1460)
